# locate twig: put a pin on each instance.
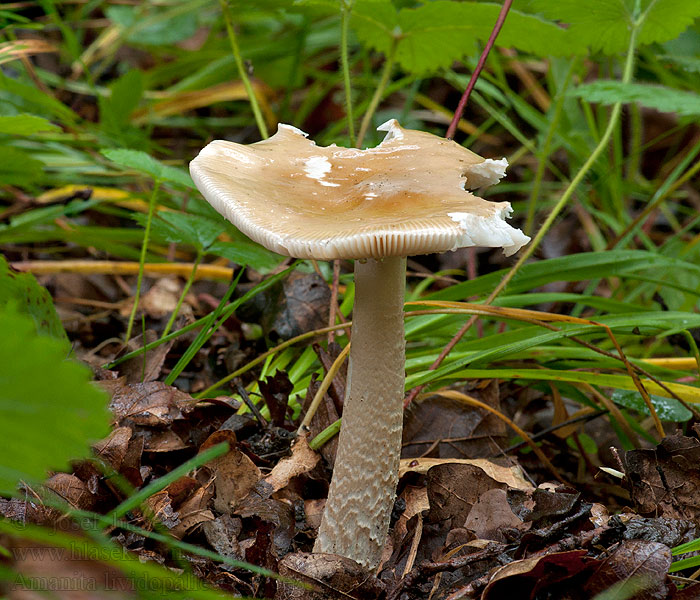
(479, 66)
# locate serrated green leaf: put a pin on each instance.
(374, 22)
(144, 163)
(668, 409)
(606, 25)
(49, 410)
(659, 97)
(438, 33)
(182, 228)
(18, 168)
(25, 125)
(23, 292)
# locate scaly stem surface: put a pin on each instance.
(356, 518)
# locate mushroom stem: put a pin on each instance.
(361, 497)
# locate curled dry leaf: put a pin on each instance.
(510, 475)
(639, 568)
(114, 447)
(329, 577)
(151, 404)
(302, 460)
(235, 474)
(525, 578)
(664, 481)
(71, 490)
(491, 516)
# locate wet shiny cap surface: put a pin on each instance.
(406, 196)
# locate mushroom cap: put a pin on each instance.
(405, 196)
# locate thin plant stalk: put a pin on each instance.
(346, 8)
(451, 130)
(544, 149)
(142, 258)
(378, 93)
(259, 120)
(186, 289)
(323, 388)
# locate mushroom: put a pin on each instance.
(405, 196)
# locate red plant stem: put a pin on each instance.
(479, 66)
(450, 133)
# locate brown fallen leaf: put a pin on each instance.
(637, 569)
(329, 576)
(453, 489)
(526, 578)
(144, 367)
(447, 428)
(510, 475)
(665, 481)
(303, 305)
(151, 404)
(302, 460)
(491, 516)
(72, 490)
(235, 475)
(114, 447)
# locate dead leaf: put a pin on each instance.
(161, 299)
(446, 428)
(114, 447)
(72, 490)
(491, 517)
(302, 460)
(525, 578)
(275, 390)
(222, 533)
(303, 305)
(665, 481)
(278, 514)
(235, 474)
(151, 404)
(144, 367)
(510, 475)
(331, 577)
(453, 489)
(638, 567)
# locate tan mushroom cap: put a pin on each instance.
(406, 196)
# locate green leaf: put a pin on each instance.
(49, 410)
(606, 24)
(27, 98)
(659, 97)
(247, 254)
(125, 94)
(157, 28)
(182, 228)
(23, 292)
(26, 125)
(691, 64)
(436, 34)
(144, 163)
(575, 267)
(18, 168)
(668, 409)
